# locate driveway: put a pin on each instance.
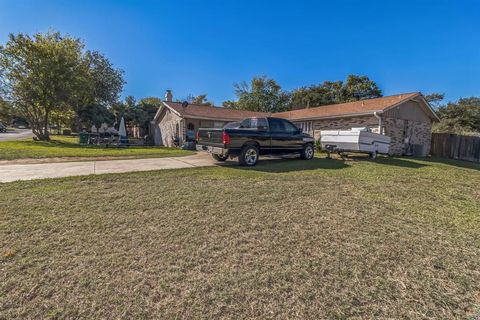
(13, 172)
(18, 134)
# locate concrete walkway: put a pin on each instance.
(13, 172)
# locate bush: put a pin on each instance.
(318, 145)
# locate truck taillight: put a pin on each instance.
(225, 138)
(197, 136)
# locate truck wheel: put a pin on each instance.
(219, 157)
(308, 152)
(249, 156)
(373, 155)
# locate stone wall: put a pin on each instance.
(169, 126)
(415, 132)
(342, 124)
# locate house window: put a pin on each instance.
(305, 126)
(190, 126)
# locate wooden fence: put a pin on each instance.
(454, 146)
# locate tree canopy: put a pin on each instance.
(355, 88)
(5, 111)
(265, 94)
(262, 94)
(461, 117)
(50, 73)
(200, 100)
(435, 99)
(136, 113)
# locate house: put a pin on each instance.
(406, 118)
(175, 122)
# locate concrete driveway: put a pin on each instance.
(13, 172)
(18, 134)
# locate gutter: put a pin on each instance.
(356, 114)
(375, 114)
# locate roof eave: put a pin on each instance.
(211, 118)
(165, 105)
(435, 116)
(355, 114)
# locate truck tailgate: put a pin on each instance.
(210, 137)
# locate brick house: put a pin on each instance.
(406, 118)
(178, 122)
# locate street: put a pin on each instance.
(18, 134)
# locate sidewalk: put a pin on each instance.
(13, 172)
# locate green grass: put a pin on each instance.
(321, 239)
(61, 146)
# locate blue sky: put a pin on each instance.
(195, 47)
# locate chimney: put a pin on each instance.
(169, 96)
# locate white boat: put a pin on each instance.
(354, 140)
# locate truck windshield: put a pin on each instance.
(254, 123)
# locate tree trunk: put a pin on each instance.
(78, 123)
(45, 136)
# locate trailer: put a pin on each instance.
(360, 140)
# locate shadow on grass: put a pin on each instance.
(383, 160)
(397, 162)
(278, 165)
(454, 163)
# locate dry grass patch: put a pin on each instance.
(290, 239)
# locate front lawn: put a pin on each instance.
(324, 239)
(61, 146)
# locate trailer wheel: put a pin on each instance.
(373, 155)
(219, 157)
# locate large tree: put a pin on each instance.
(39, 75)
(317, 95)
(200, 100)
(435, 99)
(461, 117)
(355, 88)
(95, 115)
(262, 94)
(99, 84)
(360, 88)
(47, 73)
(137, 114)
(6, 114)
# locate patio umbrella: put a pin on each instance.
(122, 132)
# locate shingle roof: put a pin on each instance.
(362, 107)
(213, 112)
(349, 108)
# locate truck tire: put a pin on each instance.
(373, 155)
(248, 156)
(308, 152)
(219, 157)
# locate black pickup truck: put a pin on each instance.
(253, 137)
